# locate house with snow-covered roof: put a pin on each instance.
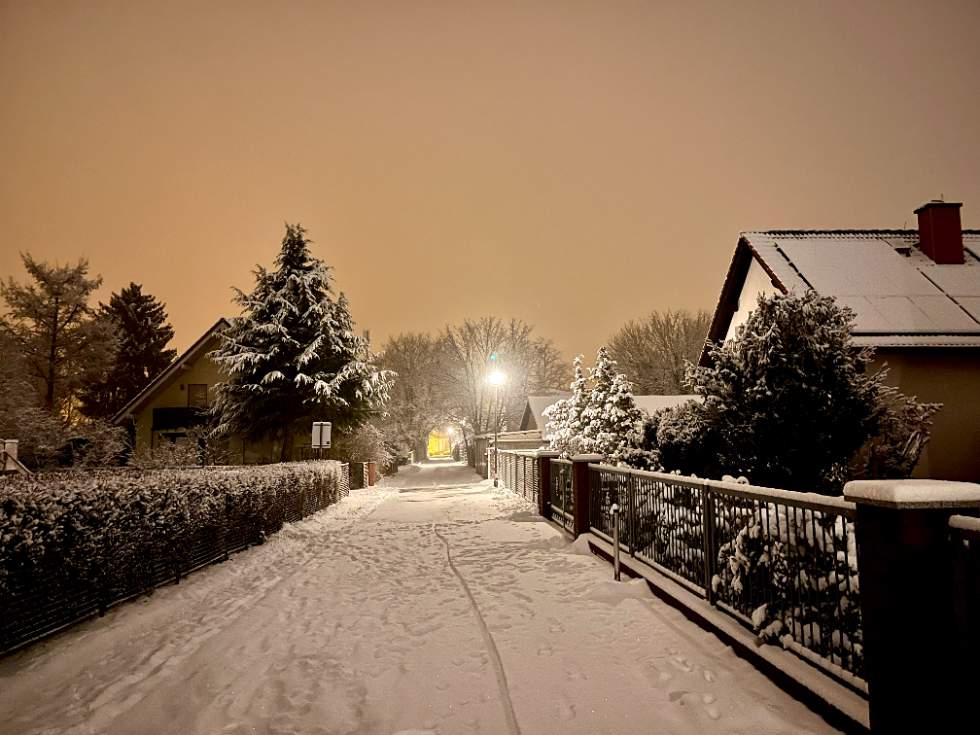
(916, 297)
(533, 418)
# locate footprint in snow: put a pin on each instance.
(681, 664)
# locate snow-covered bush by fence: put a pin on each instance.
(791, 402)
(794, 572)
(787, 561)
(102, 536)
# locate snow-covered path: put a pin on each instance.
(433, 603)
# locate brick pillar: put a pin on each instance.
(905, 565)
(544, 457)
(580, 490)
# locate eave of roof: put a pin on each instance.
(746, 252)
(189, 354)
(917, 340)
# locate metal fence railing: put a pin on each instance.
(518, 471)
(560, 493)
(782, 562)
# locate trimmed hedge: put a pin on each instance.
(73, 544)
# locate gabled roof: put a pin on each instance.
(533, 416)
(901, 298)
(193, 353)
(652, 404)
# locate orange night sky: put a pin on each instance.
(575, 164)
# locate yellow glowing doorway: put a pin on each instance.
(440, 445)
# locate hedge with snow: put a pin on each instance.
(106, 535)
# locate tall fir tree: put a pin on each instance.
(293, 355)
(140, 324)
(620, 433)
(594, 421)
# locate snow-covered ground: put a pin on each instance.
(433, 603)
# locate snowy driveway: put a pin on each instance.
(432, 604)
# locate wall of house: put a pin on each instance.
(174, 393)
(757, 281)
(951, 377)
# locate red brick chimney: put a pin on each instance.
(940, 231)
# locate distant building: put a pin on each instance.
(173, 407)
(533, 418)
(916, 296)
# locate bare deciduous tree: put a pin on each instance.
(417, 402)
(654, 351)
(476, 346)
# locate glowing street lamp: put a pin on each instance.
(496, 378)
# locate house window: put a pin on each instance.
(197, 395)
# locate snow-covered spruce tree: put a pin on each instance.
(293, 355)
(622, 434)
(594, 422)
(564, 417)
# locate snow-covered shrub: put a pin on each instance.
(788, 402)
(669, 527)
(564, 417)
(183, 452)
(364, 444)
(599, 417)
(902, 430)
(794, 572)
(106, 531)
(683, 440)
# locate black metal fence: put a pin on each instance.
(41, 604)
(782, 562)
(561, 497)
(518, 471)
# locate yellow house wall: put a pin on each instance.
(950, 377)
(174, 393)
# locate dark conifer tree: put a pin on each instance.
(140, 324)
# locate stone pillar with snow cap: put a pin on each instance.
(916, 678)
(580, 490)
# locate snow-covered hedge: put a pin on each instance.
(113, 533)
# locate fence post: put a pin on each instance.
(544, 481)
(708, 531)
(905, 562)
(580, 491)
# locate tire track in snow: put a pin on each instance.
(498, 666)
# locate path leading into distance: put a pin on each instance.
(431, 604)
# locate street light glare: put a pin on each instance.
(496, 378)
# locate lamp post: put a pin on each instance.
(496, 378)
